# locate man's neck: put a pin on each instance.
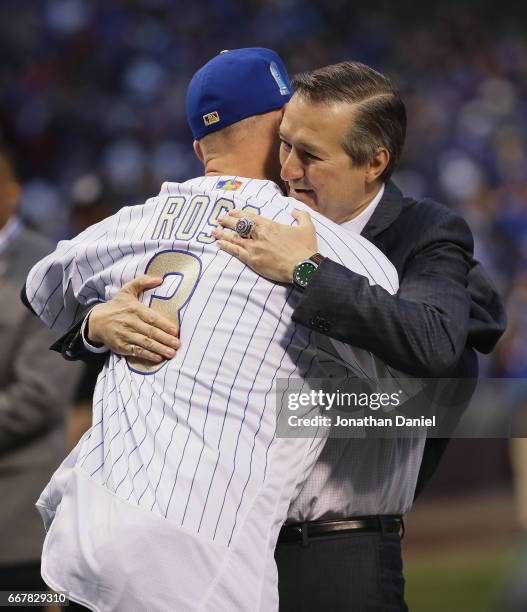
(234, 167)
(369, 197)
(238, 172)
(360, 221)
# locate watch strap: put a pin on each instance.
(317, 258)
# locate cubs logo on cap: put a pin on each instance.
(234, 85)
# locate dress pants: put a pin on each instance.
(351, 572)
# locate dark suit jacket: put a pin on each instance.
(445, 307)
(424, 328)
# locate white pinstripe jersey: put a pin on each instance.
(185, 451)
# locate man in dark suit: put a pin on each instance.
(342, 136)
(35, 389)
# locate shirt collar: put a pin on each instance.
(358, 223)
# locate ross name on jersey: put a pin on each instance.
(181, 219)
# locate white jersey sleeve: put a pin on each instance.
(83, 270)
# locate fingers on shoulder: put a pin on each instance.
(302, 216)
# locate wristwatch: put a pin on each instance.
(304, 270)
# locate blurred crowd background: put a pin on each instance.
(92, 100)
(92, 103)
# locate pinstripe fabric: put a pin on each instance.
(193, 442)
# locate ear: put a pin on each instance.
(377, 165)
(198, 151)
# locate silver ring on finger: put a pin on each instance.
(133, 349)
(244, 227)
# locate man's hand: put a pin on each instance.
(128, 327)
(273, 249)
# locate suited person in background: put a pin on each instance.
(36, 386)
(342, 136)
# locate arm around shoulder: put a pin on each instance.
(422, 330)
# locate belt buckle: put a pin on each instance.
(303, 531)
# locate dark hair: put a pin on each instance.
(378, 116)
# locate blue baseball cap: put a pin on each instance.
(234, 85)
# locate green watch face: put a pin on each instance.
(303, 273)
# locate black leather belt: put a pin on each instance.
(303, 532)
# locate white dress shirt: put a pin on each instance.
(357, 477)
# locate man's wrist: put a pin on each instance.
(304, 270)
(90, 344)
(293, 260)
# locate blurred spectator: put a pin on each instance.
(35, 388)
(511, 361)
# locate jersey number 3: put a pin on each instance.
(163, 264)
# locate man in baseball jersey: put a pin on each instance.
(340, 116)
(174, 498)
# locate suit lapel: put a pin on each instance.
(386, 213)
